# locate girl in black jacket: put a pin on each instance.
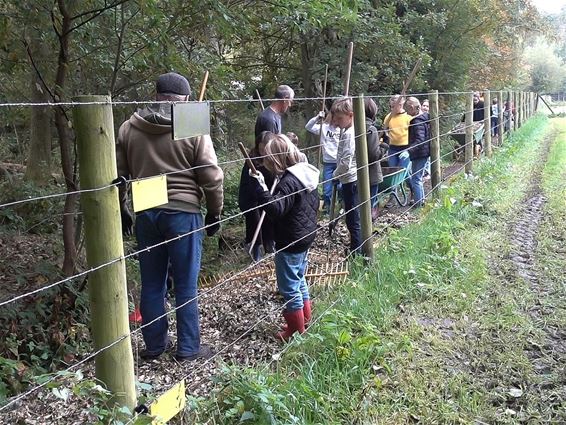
(293, 207)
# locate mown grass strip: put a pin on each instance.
(372, 358)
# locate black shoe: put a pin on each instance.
(148, 355)
(205, 352)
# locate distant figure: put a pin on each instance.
(145, 148)
(396, 133)
(479, 113)
(494, 117)
(270, 118)
(330, 137)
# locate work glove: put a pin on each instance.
(213, 221)
(127, 221)
(322, 115)
(260, 180)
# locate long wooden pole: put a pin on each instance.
(411, 77)
(103, 236)
(259, 98)
(435, 171)
(363, 176)
(346, 92)
(544, 101)
(487, 121)
(348, 68)
(469, 146)
(322, 107)
(203, 87)
(516, 115)
(510, 113)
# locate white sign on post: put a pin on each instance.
(190, 119)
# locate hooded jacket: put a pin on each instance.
(376, 151)
(346, 166)
(146, 148)
(419, 137)
(294, 208)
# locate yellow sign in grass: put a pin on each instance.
(149, 193)
(168, 405)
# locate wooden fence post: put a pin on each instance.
(469, 146)
(114, 366)
(500, 121)
(363, 175)
(516, 107)
(519, 110)
(435, 171)
(487, 121)
(510, 115)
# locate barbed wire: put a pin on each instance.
(178, 237)
(218, 285)
(215, 101)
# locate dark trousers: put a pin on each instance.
(350, 194)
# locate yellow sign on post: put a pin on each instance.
(169, 404)
(149, 193)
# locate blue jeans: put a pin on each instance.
(290, 271)
(399, 157)
(350, 194)
(418, 166)
(154, 226)
(373, 190)
(327, 171)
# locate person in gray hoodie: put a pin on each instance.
(346, 167)
(293, 207)
(145, 148)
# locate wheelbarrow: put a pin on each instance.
(392, 184)
(458, 133)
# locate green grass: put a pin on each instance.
(426, 333)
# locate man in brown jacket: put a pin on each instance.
(145, 148)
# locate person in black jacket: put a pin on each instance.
(293, 206)
(247, 199)
(419, 147)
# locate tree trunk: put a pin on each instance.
(306, 76)
(38, 168)
(66, 141)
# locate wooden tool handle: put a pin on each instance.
(249, 161)
(203, 87)
(411, 77)
(259, 98)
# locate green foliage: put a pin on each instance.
(73, 387)
(32, 217)
(43, 336)
(546, 70)
(349, 366)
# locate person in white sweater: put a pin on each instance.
(329, 141)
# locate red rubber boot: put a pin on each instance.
(295, 323)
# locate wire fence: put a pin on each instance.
(219, 285)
